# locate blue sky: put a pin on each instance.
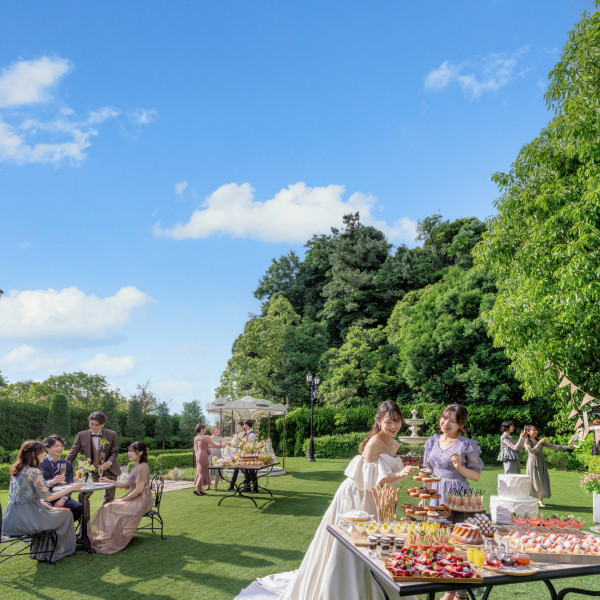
(154, 157)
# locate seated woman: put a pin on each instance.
(114, 524)
(29, 510)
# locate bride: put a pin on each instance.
(328, 570)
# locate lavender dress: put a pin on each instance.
(439, 461)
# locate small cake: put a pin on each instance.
(485, 525)
(467, 533)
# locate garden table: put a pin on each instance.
(84, 494)
(546, 573)
(237, 487)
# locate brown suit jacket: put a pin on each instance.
(83, 443)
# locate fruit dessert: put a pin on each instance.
(555, 543)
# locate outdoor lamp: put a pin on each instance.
(313, 384)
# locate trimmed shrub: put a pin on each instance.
(168, 461)
(345, 445)
(4, 474)
(59, 419)
(563, 461)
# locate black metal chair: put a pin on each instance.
(157, 485)
(22, 545)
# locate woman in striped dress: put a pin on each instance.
(29, 510)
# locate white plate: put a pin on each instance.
(595, 528)
(355, 520)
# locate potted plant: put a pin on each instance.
(590, 482)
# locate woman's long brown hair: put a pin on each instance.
(389, 407)
(28, 456)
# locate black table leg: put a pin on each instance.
(84, 499)
(379, 585)
(237, 491)
(260, 486)
(566, 591)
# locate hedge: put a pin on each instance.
(345, 445)
(4, 475)
(169, 461)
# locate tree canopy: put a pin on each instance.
(543, 246)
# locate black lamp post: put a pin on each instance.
(313, 384)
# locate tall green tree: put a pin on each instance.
(81, 390)
(444, 352)
(109, 407)
(191, 415)
(259, 354)
(351, 294)
(363, 371)
(163, 428)
(59, 420)
(543, 246)
(134, 426)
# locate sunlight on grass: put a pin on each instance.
(211, 551)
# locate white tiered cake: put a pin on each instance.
(513, 497)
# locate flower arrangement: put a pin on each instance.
(175, 474)
(576, 439)
(84, 468)
(590, 483)
(236, 450)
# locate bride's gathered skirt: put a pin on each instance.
(329, 571)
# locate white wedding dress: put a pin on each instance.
(329, 571)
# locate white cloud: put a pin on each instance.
(180, 187)
(26, 359)
(24, 245)
(30, 81)
(292, 215)
(67, 314)
(144, 116)
(109, 365)
(480, 75)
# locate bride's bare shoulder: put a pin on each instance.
(373, 449)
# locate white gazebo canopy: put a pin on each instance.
(249, 408)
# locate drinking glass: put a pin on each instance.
(63, 468)
(479, 558)
(492, 557)
(360, 527)
(100, 471)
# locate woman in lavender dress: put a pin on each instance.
(455, 459)
(452, 456)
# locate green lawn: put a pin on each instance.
(213, 551)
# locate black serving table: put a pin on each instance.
(237, 487)
(547, 573)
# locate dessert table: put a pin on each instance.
(84, 494)
(237, 487)
(546, 573)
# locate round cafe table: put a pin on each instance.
(84, 494)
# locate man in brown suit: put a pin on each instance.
(101, 455)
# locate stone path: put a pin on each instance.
(180, 484)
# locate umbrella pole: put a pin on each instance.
(269, 427)
(283, 442)
(231, 423)
(221, 421)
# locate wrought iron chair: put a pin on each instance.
(157, 485)
(22, 545)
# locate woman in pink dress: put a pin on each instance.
(114, 524)
(202, 452)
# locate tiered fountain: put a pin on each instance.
(414, 424)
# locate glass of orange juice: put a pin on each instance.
(478, 558)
